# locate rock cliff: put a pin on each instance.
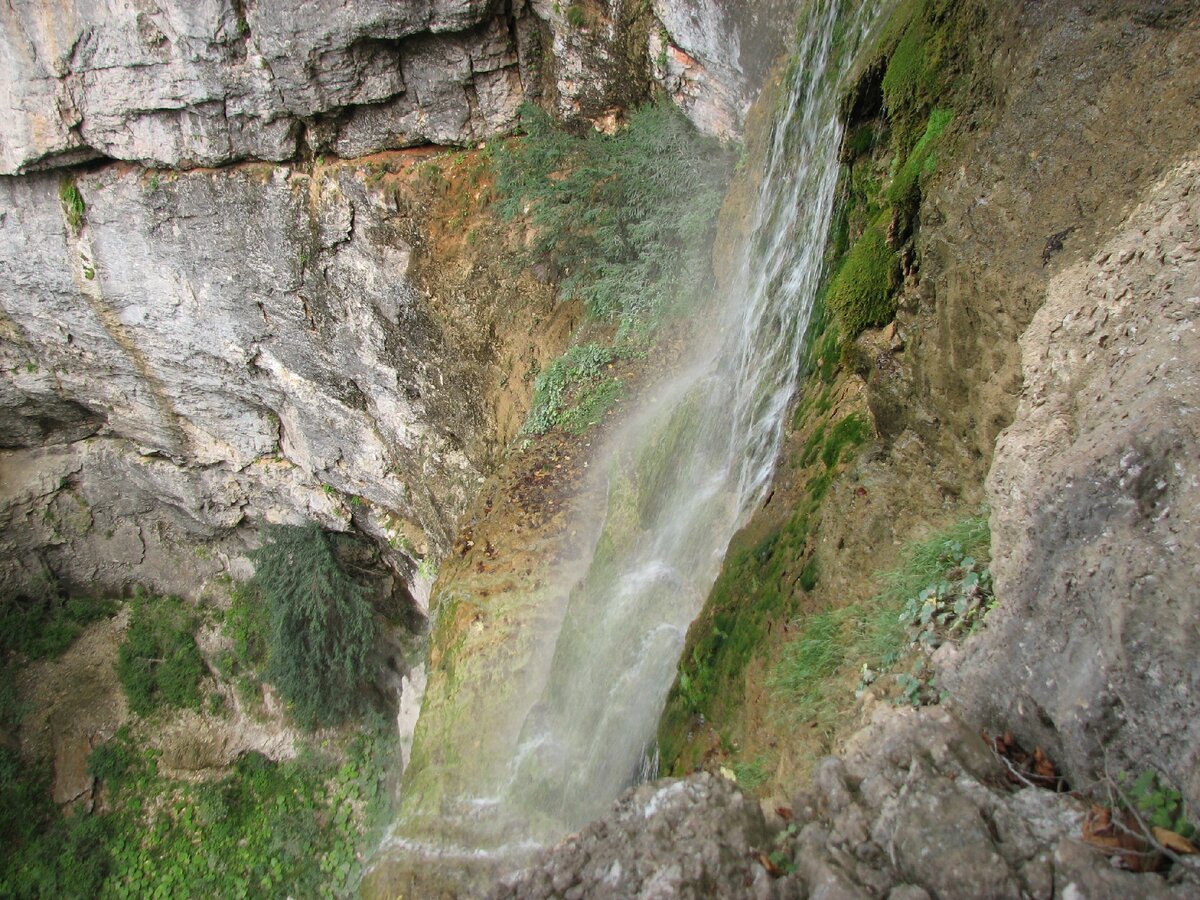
(219, 311)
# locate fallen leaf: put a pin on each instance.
(765, 861)
(1120, 839)
(1174, 842)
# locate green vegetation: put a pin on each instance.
(42, 852)
(42, 627)
(1158, 803)
(577, 15)
(751, 775)
(72, 203)
(320, 627)
(159, 663)
(626, 218)
(905, 190)
(801, 676)
(574, 392)
(852, 431)
(266, 829)
(862, 293)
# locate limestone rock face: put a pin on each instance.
(711, 55)
(249, 342)
(181, 83)
(1095, 489)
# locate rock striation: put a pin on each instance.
(181, 84)
(177, 83)
(249, 344)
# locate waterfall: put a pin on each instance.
(681, 476)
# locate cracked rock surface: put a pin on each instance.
(918, 808)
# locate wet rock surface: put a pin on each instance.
(918, 807)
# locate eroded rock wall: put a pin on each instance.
(254, 343)
(186, 84)
(268, 325)
(1095, 489)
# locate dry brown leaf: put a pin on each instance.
(1120, 839)
(1174, 842)
(765, 861)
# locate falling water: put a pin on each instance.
(683, 475)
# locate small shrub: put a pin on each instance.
(626, 217)
(246, 623)
(113, 761)
(1158, 803)
(44, 627)
(577, 15)
(573, 390)
(861, 294)
(72, 203)
(320, 624)
(158, 661)
(751, 775)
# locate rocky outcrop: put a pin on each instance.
(253, 344)
(711, 56)
(184, 84)
(687, 839)
(918, 808)
(1095, 489)
(181, 84)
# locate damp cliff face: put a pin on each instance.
(229, 315)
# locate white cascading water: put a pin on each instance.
(700, 457)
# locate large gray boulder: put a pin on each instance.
(1095, 492)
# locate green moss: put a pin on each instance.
(810, 574)
(812, 446)
(904, 193)
(72, 203)
(850, 432)
(862, 294)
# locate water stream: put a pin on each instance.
(680, 478)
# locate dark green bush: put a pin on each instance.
(41, 627)
(158, 662)
(320, 625)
